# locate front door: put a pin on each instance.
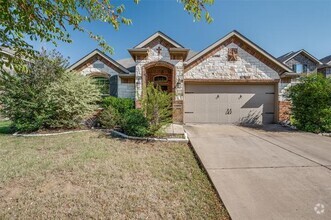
(160, 76)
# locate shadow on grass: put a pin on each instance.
(6, 128)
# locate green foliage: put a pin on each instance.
(156, 104)
(70, 99)
(122, 105)
(47, 96)
(134, 123)
(198, 8)
(50, 21)
(110, 117)
(311, 100)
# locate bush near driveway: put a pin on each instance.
(156, 105)
(311, 100)
(47, 96)
(89, 176)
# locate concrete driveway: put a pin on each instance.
(269, 173)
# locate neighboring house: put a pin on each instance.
(325, 68)
(302, 63)
(231, 81)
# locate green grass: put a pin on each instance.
(5, 127)
(87, 175)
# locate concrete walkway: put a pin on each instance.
(266, 174)
(174, 129)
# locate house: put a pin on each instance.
(302, 63)
(231, 81)
(325, 68)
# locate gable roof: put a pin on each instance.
(244, 39)
(326, 60)
(290, 55)
(285, 56)
(103, 55)
(156, 35)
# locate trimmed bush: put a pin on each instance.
(311, 100)
(134, 123)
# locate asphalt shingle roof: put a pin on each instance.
(326, 60)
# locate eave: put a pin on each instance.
(138, 53)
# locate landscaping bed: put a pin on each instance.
(89, 175)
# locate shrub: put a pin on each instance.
(110, 118)
(70, 99)
(122, 105)
(134, 123)
(156, 105)
(46, 96)
(114, 111)
(311, 100)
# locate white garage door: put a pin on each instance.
(247, 104)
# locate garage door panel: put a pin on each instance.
(229, 103)
(251, 115)
(213, 107)
(200, 108)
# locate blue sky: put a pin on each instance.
(278, 26)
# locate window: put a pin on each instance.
(297, 68)
(233, 54)
(160, 79)
(103, 84)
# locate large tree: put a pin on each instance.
(51, 20)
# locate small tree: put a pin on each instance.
(311, 100)
(47, 96)
(156, 104)
(52, 21)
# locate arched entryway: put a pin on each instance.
(161, 74)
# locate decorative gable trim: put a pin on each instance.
(244, 43)
(98, 55)
(305, 54)
(159, 35)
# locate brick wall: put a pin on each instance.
(284, 110)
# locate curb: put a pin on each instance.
(46, 135)
(124, 136)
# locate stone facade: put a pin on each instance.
(217, 66)
(155, 57)
(125, 90)
(301, 59)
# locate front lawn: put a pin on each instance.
(87, 175)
